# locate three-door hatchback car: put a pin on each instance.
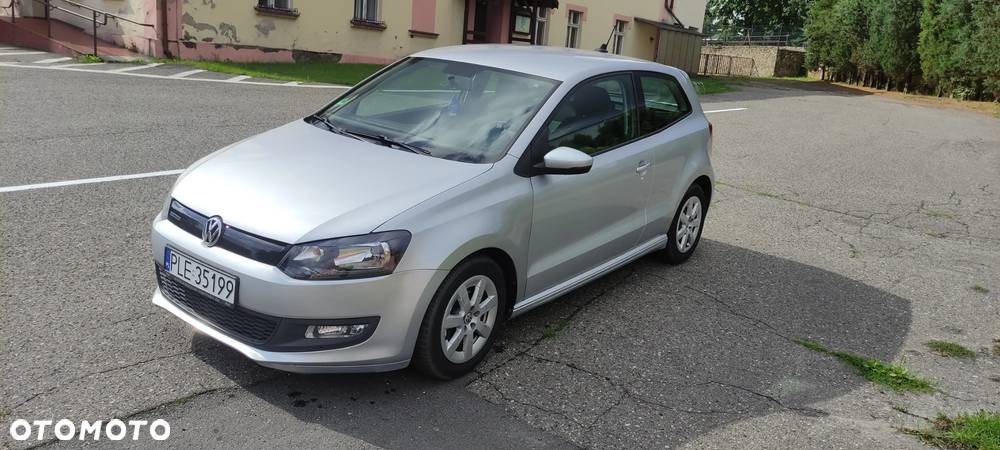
(408, 219)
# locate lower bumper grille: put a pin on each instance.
(234, 321)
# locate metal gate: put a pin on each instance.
(726, 65)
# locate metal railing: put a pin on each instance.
(97, 17)
(12, 5)
(783, 40)
(726, 65)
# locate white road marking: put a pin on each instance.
(22, 53)
(129, 69)
(28, 187)
(165, 77)
(53, 60)
(185, 74)
(237, 78)
(60, 66)
(725, 110)
(292, 83)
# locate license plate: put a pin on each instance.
(201, 276)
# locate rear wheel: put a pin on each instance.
(685, 230)
(462, 320)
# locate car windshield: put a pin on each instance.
(446, 109)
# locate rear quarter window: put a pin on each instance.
(663, 102)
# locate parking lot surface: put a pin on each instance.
(867, 224)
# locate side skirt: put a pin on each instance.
(558, 290)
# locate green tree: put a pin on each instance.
(946, 28)
(894, 27)
(850, 51)
(735, 17)
(986, 42)
(822, 35)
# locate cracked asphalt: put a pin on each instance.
(867, 224)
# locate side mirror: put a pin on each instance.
(565, 161)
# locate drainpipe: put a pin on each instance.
(161, 29)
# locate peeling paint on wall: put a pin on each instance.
(188, 20)
(229, 31)
(265, 27)
(210, 3)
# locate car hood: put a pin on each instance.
(299, 183)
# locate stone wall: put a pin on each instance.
(768, 61)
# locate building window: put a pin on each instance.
(573, 29)
(284, 5)
(367, 11)
(618, 38)
(542, 27)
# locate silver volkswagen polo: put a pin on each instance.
(407, 220)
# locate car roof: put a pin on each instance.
(557, 63)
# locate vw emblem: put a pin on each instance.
(213, 231)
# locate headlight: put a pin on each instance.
(369, 255)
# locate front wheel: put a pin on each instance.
(462, 320)
(685, 230)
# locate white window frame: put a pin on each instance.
(618, 37)
(574, 28)
(273, 4)
(363, 11)
(542, 27)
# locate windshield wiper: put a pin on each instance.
(330, 126)
(404, 145)
(390, 142)
(379, 138)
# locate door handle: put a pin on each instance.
(643, 165)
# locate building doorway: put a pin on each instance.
(504, 21)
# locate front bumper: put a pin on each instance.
(398, 300)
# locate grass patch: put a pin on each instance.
(951, 349)
(89, 59)
(980, 431)
(980, 289)
(799, 78)
(552, 330)
(709, 85)
(895, 377)
(311, 72)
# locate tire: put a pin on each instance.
(431, 354)
(679, 250)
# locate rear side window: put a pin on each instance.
(597, 115)
(663, 102)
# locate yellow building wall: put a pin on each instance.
(640, 39)
(228, 29)
(322, 26)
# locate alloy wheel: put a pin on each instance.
(469, 319)
(688, 224)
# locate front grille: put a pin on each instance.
(257, 248)
(237, 322)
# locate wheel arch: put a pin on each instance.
(705, 184)
(509, 269)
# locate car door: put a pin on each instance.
(662, 109)
(583, 220)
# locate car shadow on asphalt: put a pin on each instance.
(650, 355)
(747, 89)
